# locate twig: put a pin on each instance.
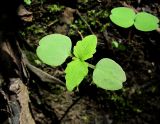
(45, 77)
(71, 106)
(80, 34)
(129, 6)
(79, 14)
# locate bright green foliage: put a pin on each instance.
(54, 8)
(75, 73)
(118, 45)
(86, 48)
(54, 49)
(108, 75)
(115, 44)
(122, 16)
(146, 22)
(126, 17)
(28, 2)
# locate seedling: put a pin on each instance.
(115, 44)
(54, 49)
(54, 8)
(28, 2)
(126, 17)
(118, 45)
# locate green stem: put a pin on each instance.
(71, 55)
(91, 66)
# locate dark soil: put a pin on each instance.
(137, 103)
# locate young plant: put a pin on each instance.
(55, 48)
(117, 45)
(126, 17)
(28, 2)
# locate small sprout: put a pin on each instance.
(28, 2)
(118, 45)
(115, 44)
(126, 17)
(55, 48)
(146, 22)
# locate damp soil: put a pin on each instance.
(139, 55)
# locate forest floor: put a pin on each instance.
(139, 100)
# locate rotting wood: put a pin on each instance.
(12, 68)
(21, 91)
(13, 74)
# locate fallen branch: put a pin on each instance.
(79, 14)
(43, 76)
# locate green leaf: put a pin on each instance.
(146, 22)
(28, 2)
(54, 49)
(108, 75)
(122, 16)
(86, 48)
(115, 44)
(75, 73)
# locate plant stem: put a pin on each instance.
(91, 66)
(79, 14)
(129, 35)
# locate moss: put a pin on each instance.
(55, 8)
